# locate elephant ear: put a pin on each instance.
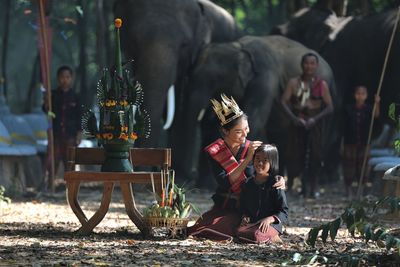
(246, 69)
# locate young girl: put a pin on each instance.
(356, 126)
(264, 207)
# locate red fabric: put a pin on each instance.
(221, 154)
(353, 157)
(60, 151)
(217, 224)
(251, 234)
(318, 88)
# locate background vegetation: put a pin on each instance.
(82, 37)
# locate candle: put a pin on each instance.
(171, 193)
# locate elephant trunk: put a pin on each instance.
(156, 71)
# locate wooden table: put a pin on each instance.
(95, 156)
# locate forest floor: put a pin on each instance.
(39, 231)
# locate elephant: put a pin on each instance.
(164, 39)
(254, 70)
(354, 47)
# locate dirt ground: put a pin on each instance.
(40, 231)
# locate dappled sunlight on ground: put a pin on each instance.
(41, 231)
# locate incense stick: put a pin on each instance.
(153, 187)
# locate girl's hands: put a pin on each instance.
(264, 223)
(280, 182)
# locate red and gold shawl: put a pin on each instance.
(220, 152)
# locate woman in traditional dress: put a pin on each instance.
(231, 162)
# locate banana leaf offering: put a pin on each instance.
(171, 208)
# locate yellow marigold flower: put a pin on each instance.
(134, 136)
(124, 128)
(123, 136)
(108, 136)
(118, 23)
(123, 103)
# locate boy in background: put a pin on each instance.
(66, 124)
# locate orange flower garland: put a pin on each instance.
(118, 23)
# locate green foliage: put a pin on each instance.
(299, 259)
(394, 115)
(3, 198)
(356, 221)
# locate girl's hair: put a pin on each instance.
(272, 155)
(358, 87)
(233, 123)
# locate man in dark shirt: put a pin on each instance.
(67, 121)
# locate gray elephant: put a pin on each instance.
(164, 39)
(255, 71)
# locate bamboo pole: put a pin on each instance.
(371, 125)
(50, 138)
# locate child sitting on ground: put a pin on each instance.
(264, 207)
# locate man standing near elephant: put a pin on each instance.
(307, 101)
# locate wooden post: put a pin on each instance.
(371, 125)
(50, 145)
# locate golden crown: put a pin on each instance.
(227, 110)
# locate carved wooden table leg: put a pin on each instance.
(101, 212)
(72, 196)
(131, 210)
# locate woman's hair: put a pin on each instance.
(307, 55)
(233, 123)
(272, 155)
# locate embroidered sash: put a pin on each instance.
(221, 154)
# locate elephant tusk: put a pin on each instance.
(170, 107)
(201, 114)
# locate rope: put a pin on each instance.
(374, 108)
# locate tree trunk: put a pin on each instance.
(33, 84)
(232, 7)
(108, 15)
(100, 34)
(292, 6)
(364, 7)
(338, 6)
(82, 29)
(5, 45)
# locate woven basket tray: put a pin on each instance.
(166, 222)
